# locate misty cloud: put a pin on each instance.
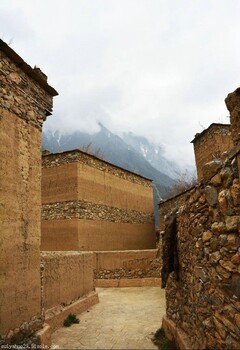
(160, 69)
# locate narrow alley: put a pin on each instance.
(125, 318)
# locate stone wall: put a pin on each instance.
(210, 144)
(233, 105)
(93, 205)
(81, 209)
(128, 264)
(25, 100)
(203, 307)
(170, 204)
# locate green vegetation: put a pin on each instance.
(71, 319)
(162, 342)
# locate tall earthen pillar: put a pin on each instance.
(25, 101)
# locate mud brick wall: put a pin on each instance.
(66, 277)
(89, 204)
(210, 144)
(127, 264)
(25, 99)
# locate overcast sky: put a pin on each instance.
(158, 68)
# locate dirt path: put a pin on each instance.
(125, 318)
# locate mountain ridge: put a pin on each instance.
(120, 151)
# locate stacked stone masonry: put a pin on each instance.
(233, 105)
(91, 211)
(25, 100)
(89, 204)
(21, 94)
(205, 303)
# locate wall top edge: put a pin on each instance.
(47, 154)
(34, 73)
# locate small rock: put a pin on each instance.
(232, 223)
(211, 195)
(214, 245)
(216, 180)
(235, 192)
(15, 77)
(227, 265)
(232, 241)
(211, 168)
(222, 239)
(237, 320)
(218, 227)
(220, 328)
(207, 235)
(227, 177)
(225, 202)
(230, 343)
(236, 258)
(226, 322)
(215, 257)
(222, 272)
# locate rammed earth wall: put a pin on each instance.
(25, 100)
(89, 204)
(68, 157)
(67, 284)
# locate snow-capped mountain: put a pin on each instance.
(153, 153)
(129, 152)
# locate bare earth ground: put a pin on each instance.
(125, 318)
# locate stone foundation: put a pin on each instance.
(127, 265)
(126, 282)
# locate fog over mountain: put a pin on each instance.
(161, 69)
(131, 152)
